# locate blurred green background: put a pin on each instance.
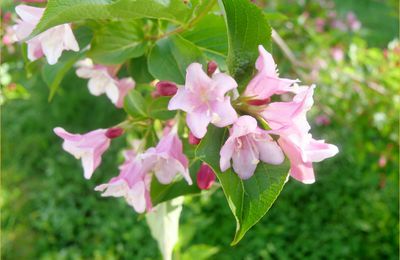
(348, 48)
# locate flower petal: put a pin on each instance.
(198, 122)
(223, 114)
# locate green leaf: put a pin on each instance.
(116, 42)
(138, 69)
(247, 28)
(158, 108)
(135, 104)
(66, 11)
(250, 199)
(170, 57)
(209, 35)
(160, 192)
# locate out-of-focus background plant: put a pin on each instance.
(350, 49)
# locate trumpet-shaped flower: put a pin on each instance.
(289, 121)
(267, 82)
(302, 152)
(50, 43)
(102, 80)
(89, 147)
(133, 183)
(246, 146)
(167, 159)
(203, 99)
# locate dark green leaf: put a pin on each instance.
(170, 57)
(138, 69)
(160, 192)
(249, 199)
(135, 105)
(116, 42)
(247, 28)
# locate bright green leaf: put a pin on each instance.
(170, 57)
(247, 28)
(135, 104)
(67, 11)
(209, 35)
(116, 42)
(249, 199)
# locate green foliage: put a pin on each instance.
(116, 42)
(66, 11)
(210, 36)
(249, 199)
(247, 28)
(135, 105)
(170, 57)
(49, 212)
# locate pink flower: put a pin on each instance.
(267, 82)
(89, 147)
(288, 119)
(246, 146)
(337, 54)
(50, 43)
(205, 177)
(133, 183)
(124, 85)
(203, 99)
(167, 159)
(352, 21)
(102, 80)
(302, 152)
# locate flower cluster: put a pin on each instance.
(205, 101)
(262, 125)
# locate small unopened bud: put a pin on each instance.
(114, 132)
(205, 177)
(259, 102)
(211, 67)
(193, 139)
(166, 88)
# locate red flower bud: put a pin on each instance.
(211, 67)
(114, 132)
(205, 177)
(166, 88)
(193, 139)
(259, 102)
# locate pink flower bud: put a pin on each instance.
(259, 102)
(114, 132)
(205, 177)
(211, 67)
(193, 139)
(166, 88)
